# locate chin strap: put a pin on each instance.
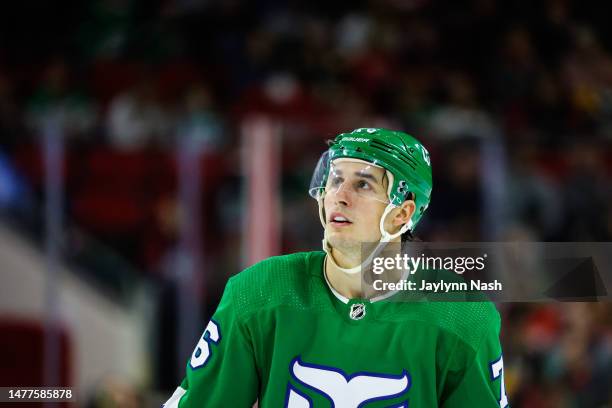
(385, 238)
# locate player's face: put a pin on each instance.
(355, 199)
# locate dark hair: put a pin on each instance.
(408, 237)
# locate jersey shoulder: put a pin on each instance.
(464, 320)
(467, 314)
(469, 321)
(290, 280)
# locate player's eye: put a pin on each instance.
(335, 181)
(363, 185)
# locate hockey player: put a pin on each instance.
(298, 330)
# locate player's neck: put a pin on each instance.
(346, 284)
(350, 285)
(346, 258)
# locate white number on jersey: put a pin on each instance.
(202, 351)
(497, 371)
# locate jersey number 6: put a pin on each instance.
(202, 351)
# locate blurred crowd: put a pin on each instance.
(513, 100)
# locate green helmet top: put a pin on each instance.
(397, 152)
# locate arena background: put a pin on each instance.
(151, 149)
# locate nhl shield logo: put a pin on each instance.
(358, 311)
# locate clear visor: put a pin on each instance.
(349, 176)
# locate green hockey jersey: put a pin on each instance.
(283, 337)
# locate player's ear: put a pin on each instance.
(404, 212)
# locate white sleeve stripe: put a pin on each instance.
(173, 402)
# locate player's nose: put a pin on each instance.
(343, 196)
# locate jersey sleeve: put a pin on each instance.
(477, 379)
(222, 366)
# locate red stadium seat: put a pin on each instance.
(22, 355)
(111, 77)
(109, 212)
(119, 169)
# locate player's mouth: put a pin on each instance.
(339, 220)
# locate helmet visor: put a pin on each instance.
(349, 176)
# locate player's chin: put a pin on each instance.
(339, 234)
(341, 240)
(335, 235)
